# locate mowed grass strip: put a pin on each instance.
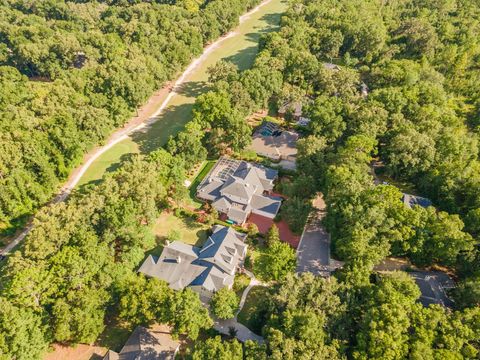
(241, 49)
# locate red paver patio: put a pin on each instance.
(264, 224)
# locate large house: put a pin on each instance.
(238, 188)
(154, 343)
(206, 269)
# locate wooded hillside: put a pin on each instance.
(72, 71)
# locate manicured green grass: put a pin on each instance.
(192, 190)
(241, 49)
(253, 314)
(191, 232)
(109, 161)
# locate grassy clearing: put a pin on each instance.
(191, 232)
(253, 314)
(192, 190)
(240, 48)
(108, 162)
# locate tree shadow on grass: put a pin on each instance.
(255, 311)
(273, 20)
(115, 335)
(170, 122)
(112, 168)
(193, 88)
(244, 58)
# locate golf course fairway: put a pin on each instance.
(240, 47)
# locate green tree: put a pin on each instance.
(384, 327)
(215, 348)
(143, 301)
(224, 303)
(188, 316)
(22, 333)
(273, 236)
(279, 261)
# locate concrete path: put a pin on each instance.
(313, 252)
(243, 333)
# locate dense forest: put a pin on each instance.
(419, 122)
(72, 71)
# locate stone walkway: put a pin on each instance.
(243, 333)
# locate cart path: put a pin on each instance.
(147, 115)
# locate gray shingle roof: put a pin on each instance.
(212, 266)
(154, 343)
(413, 200)
(174, 266)
(267, 204)
(237, 182)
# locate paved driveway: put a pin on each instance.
(313, 253)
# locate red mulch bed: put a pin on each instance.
(264, 224)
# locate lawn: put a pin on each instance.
(115, 335)
(253, 314)
(191, 232)
(192, 190)
(241, 49)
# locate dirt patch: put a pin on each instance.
(79, 352)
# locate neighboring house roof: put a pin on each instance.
(212, 266)
(241, 182)
(154, 343)
(238, 188)
(210, 190)
(224, 248)
(331, 66)
(432, 285)
(412, 200)
(295, 107)
(111, 355)
(174, 266)
(274, 145)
